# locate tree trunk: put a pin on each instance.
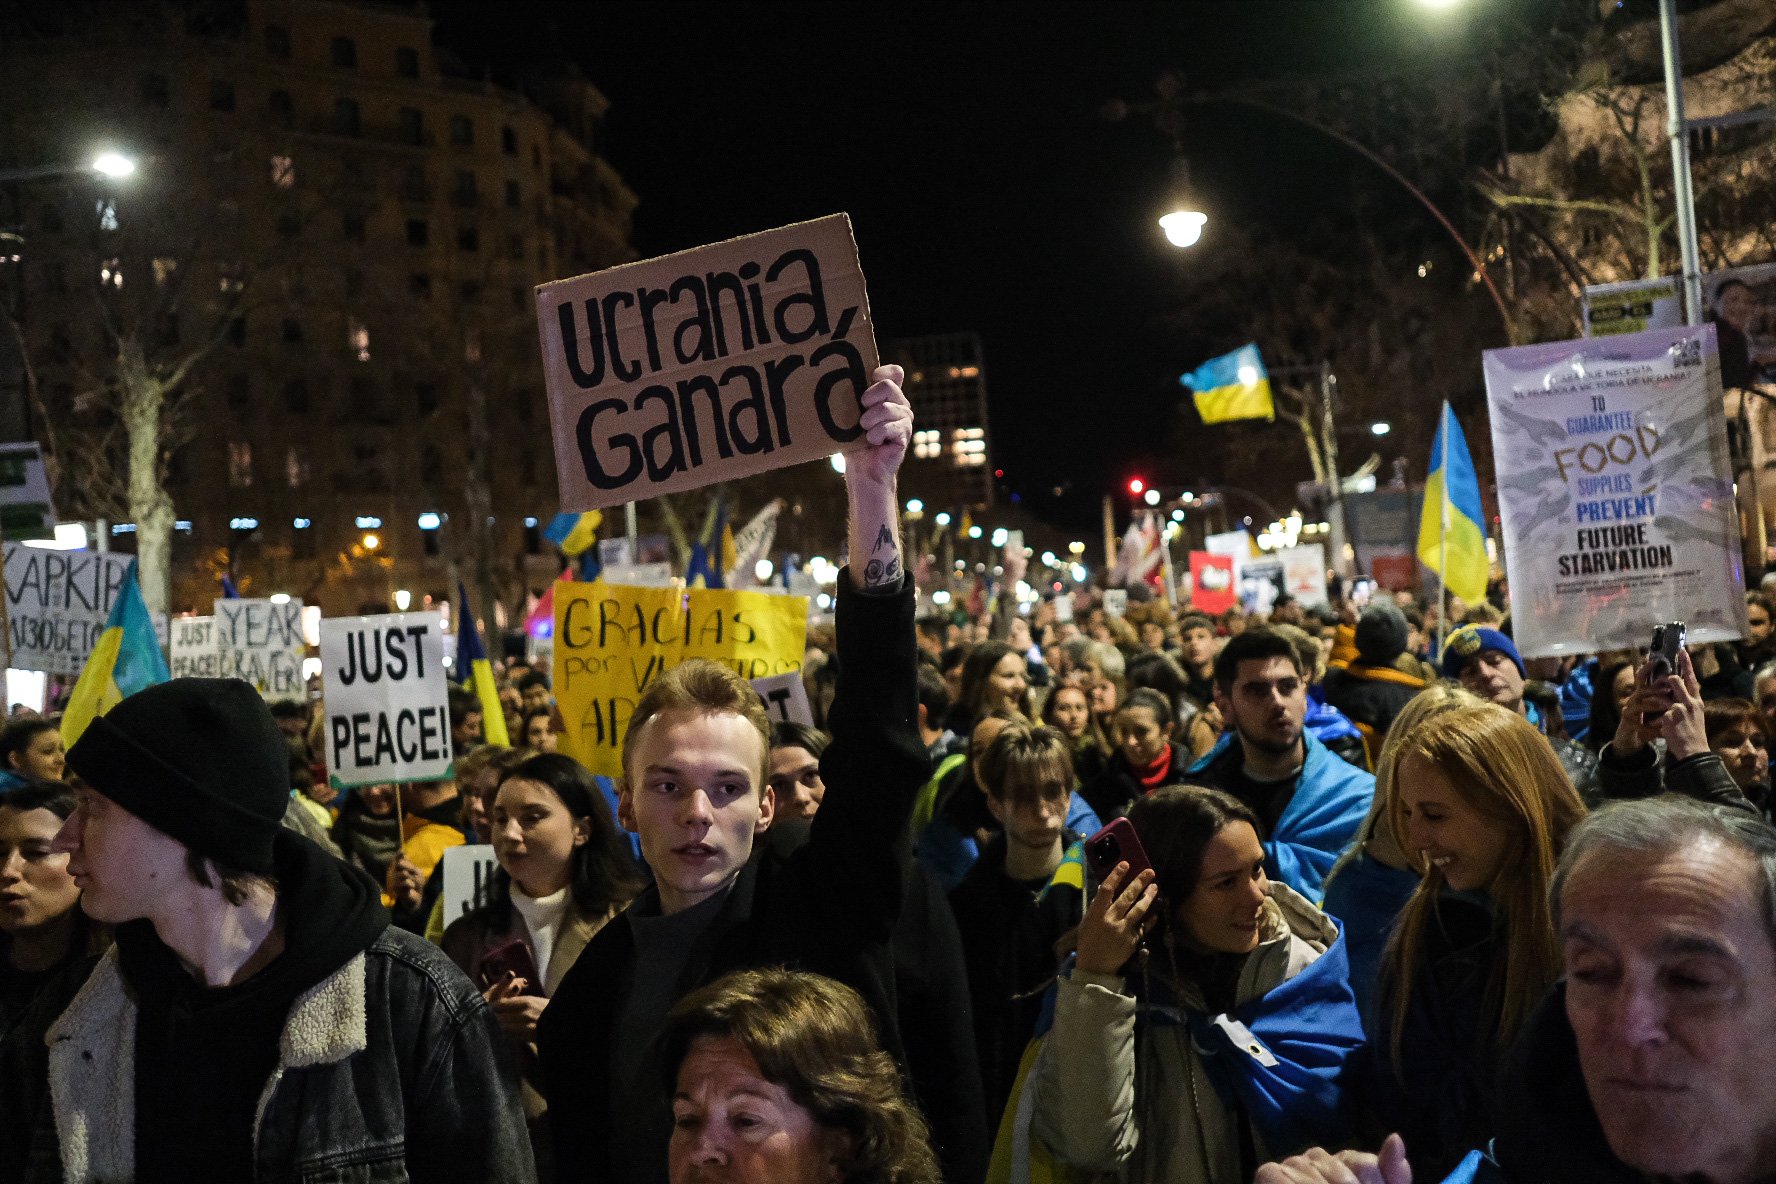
(151, 508)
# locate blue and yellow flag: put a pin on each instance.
(711, 554)
(126, 659)
(1232, 386)
(1453, 484)
(574, 533)
(476, 673)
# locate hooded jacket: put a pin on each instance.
(1157, 1089)
(380, 1061)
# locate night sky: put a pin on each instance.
(988, 191)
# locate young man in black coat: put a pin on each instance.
(695, 789)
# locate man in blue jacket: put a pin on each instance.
(1310, 801)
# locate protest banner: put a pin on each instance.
(612, 641)
(638, 575)
(1304, 573)
(57, 603)
(1615, 491)
(387, 699)
(1633, 306)
(1737, 299)
(1211, 582)
(706, 365)
(194, 652)
(468, 878)
(1116, 602)
(25, 508)
(786, 699)
(260, 641)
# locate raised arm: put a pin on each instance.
(871, 488)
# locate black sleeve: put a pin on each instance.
(1704, 777)
(875, 765)
(1624, 776)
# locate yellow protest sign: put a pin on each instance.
(612, 641)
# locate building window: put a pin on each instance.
(166, 270)
(468, 239)
(520, 299)
(515, 247)
(240, 396)
(295, 467)
(292, 331)
(240, 464)
(412, 126)
(289, 224)
(296, 396)
(51, 219)
(345, 52)
(420, 284)
(221, 95)
(514, 194)
(425, 395)
(431, 466)
(282, 109)
(106, 209)
(283, 172)
(413, 183)
(417, 232)
(354, 281)
(536, 158)
(462, 131)
(156, 91)
(357, 339)
(346, 120)
(237, 332)
(353, 227)
(466, 191)
(407, 61)
(508, 141)
(277, 41)
(111, 273)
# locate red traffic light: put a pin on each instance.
(1136, 485)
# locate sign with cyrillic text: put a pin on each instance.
(387, 700)
(194, 653)
(612, 641)
(57, 603)
(1615, 491)
(707, 365)
(260, 641)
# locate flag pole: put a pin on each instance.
(1443, 536)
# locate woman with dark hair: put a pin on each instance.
(563, 874)
(1068, 711)
(1759, 645)
(1146, 1074)
(777, 1076)
(1735, 730)
(995, 677)
(1144, 758)
(1610, 690)
(42, 929)
(30, 750)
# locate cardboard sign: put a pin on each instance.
(1615, 491)
(468, 875)
(612, 641)
(58, 602)
(1211, 583)
(707, 365)
(261, 643)
(194, 653)
(786, 699)
(388, 707)
(25, 509)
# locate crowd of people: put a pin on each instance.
(1371, 909)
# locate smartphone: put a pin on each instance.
(1116, 843)
(1668, 641)
(513, 957)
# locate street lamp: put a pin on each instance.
(1380, 428)
(1183, 225)
(113, 164)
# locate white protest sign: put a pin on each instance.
(637, 575)
(260, 641)
(1615, 491)
(786, 698)
(58, 602)
(194, 653)
(1304, 573)
(707, 365)
(387, 700)
(25, 509)
(468, 875)
(1063, 603)
(1116, 601)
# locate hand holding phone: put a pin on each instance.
(1661, 661)
(1116, 843)
(511, 958)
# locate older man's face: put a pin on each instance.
(1671, 991)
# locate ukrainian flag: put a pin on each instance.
(574, 533)
(713, 554)
(476, 673)
(1232, 386)
(1453, 485)
(126, 659)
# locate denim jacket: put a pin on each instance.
(391, 1069)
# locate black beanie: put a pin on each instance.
(199, 759)
(1381, 634)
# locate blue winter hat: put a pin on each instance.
(1469, 642)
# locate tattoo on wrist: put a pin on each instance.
(883, 566)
